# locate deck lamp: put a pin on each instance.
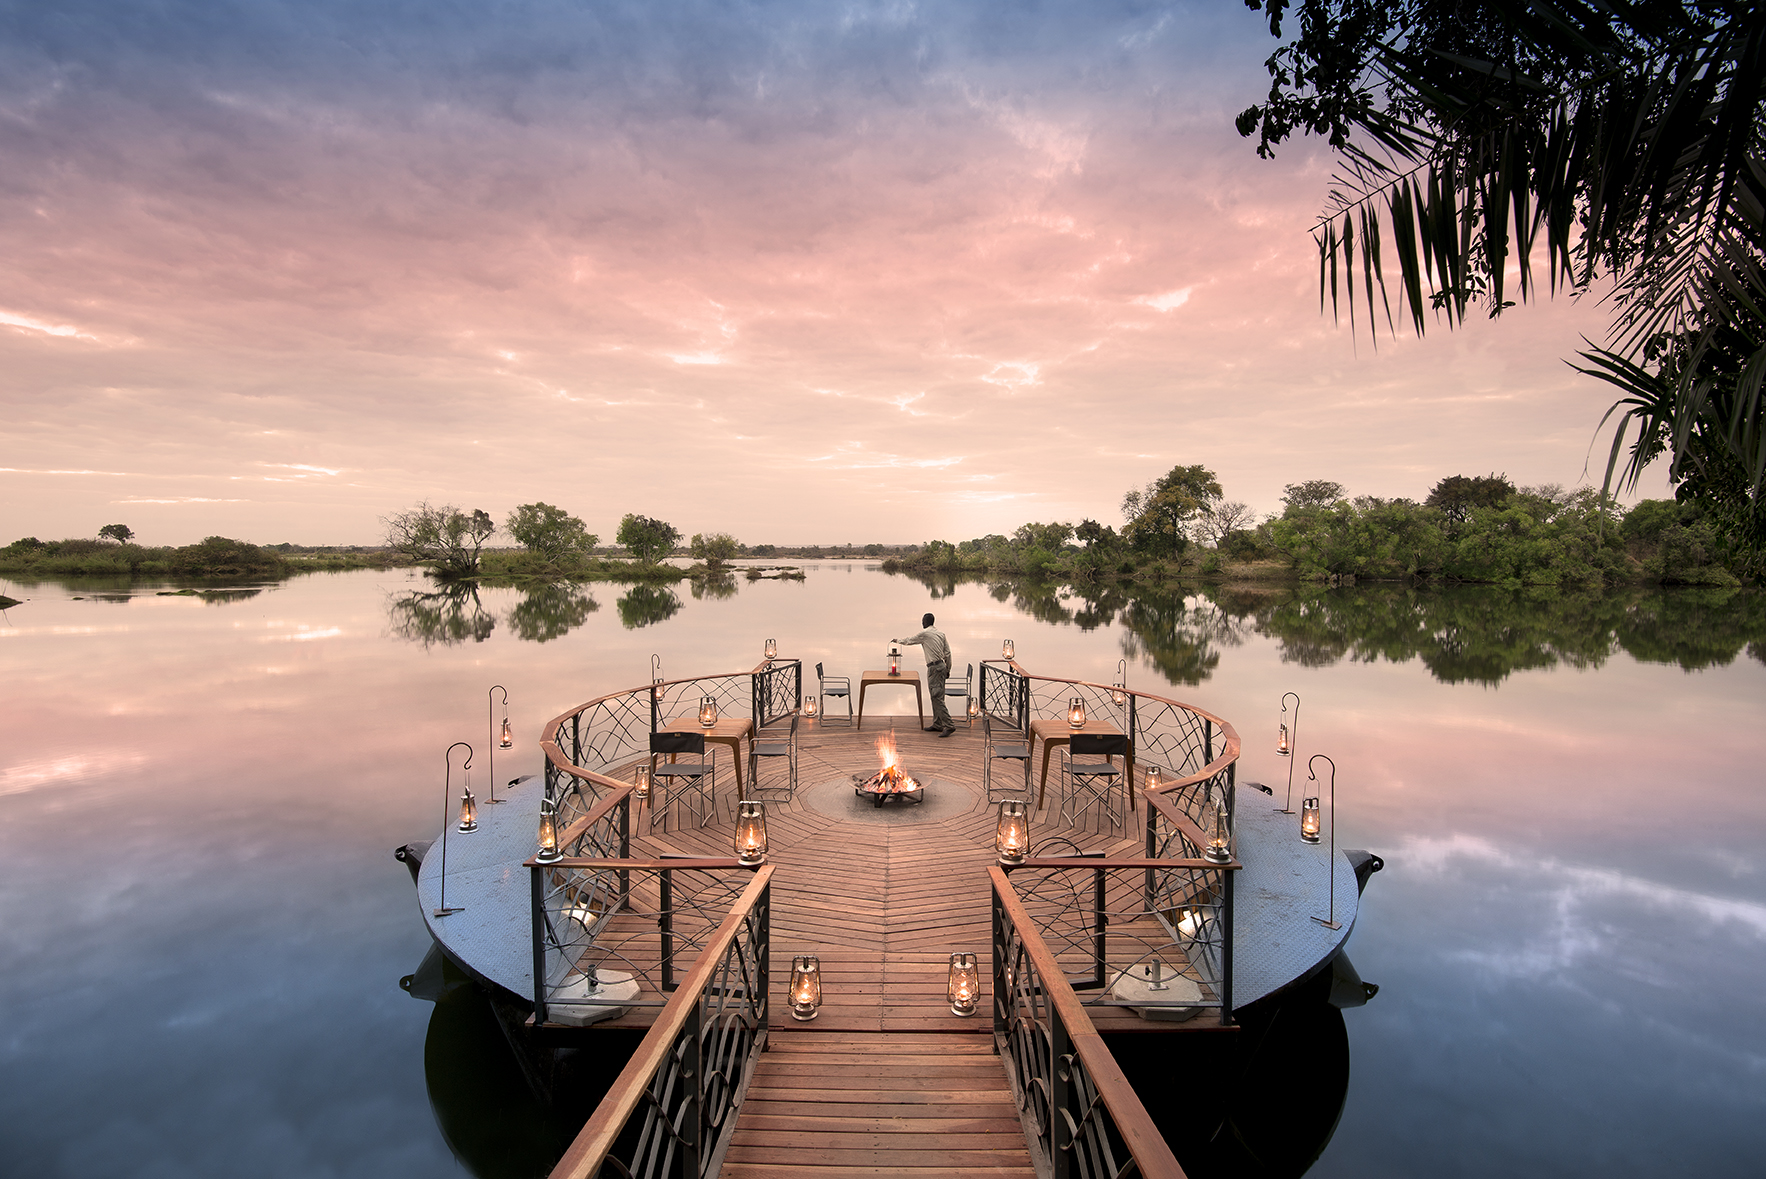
(1007, 650)
(442, 909)
(974, 707)
(1011, 835)
(548, 837)
(641, 782)
(894, 659)
(964, 986)
(708, 711)
(497, 741)
(771, 650)
(751, 833)
(811, 706)
(1309, 826)
(468, 811)
(1331, 859)
(1219, 849)
(805, 989)
(1284, 745)
(1155, 780)
(1076, 713)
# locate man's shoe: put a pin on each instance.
(933, 729)
(947, 732)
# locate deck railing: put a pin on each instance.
(671, 1112)
(584, 745)
(1081, 1117)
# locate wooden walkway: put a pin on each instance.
(857, 1105)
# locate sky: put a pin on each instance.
(807, 273)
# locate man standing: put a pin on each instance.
(937, 651)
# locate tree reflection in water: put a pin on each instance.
(446, 615)
(551, 611)
(716, 586)
(646, 605)
(1463, 634)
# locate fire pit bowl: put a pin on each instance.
(892, 782)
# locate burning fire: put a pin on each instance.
(891, 779)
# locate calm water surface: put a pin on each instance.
(205, 930)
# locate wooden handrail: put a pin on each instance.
(1142, 1138)
(1177, 818)
(601, 1131)
(685, 864)
(1079, 863)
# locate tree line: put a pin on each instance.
(1479, 528)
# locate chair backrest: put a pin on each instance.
(818, 672)
(677, 743)
(1096, 744)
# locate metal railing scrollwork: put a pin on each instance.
(1081, 1117)
(673, 1109)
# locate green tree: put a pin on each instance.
(1457, 495)
(1622, 142)
(1314, 493)
(646, 539)
(445, 538)
(549, 531)
(121, 533)
(716, 550)
(1158, 515)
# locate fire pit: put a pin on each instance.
(891, 782)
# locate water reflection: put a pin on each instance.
(646, 605)
(548, 612)
(716, 587)
(444, 616)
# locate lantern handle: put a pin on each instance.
(1313, 777)
(1296, 697)
(448, 757)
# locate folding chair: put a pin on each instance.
(692, 784)
(832, 685)
(1092, 785)
(773, 747)
(1005, 751)
(964, 687)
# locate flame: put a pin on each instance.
(887, 754)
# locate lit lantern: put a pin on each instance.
(1284, 744)
(548, 833)
(964, 987)
(974, 707)
(1007, 651)
(1219, 849)
(1011, 836)
(894, 659)
(1309, 820)
(1119, 695)
(1155, 780)
(708, 711)
(771, 650)
(468, 811)
(750, 833)
(508, 738)
(1076, 713)
(641, 782)
(805, 990)
(811, 706)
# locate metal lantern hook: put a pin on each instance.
(1331, 863)
(491, 714)
(442, 909)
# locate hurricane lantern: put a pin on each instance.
(1076, 713)
(1007, 650)
(894, 659)
(548, 837)
(1155, 780)
(1309, 820)
(508, 740)
(751, 833)
(1219, 850)
(1011, 835)
(805, 990)
(1119, 690)
(708, 711)
(641, 782)
(974, 707)
(964, 987)
(771, 650)
(811, 706)
(1284, 744)
(468, 811)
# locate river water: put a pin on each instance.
(205, 931)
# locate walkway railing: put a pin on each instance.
(671, 1112)
(1081, 1116)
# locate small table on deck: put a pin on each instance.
(883, 677)
(729, 730)
(1056, 731)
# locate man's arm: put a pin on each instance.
(916, 641)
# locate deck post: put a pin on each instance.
(693, 1085)
(1001, 947)
(1100, 923)
(1226, 950)
(665, 925)
(536, 875)
(625, 852)
(1060, 1095)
